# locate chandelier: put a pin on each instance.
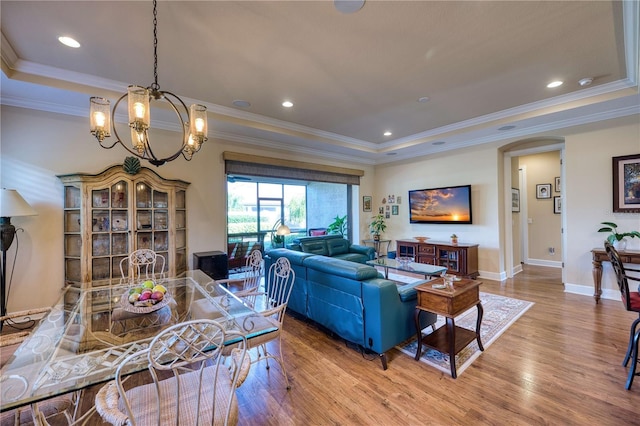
(193, 120)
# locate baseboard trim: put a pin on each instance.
(587, 290)
(541, 262)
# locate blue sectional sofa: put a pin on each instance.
(352, 300)
(333, 246)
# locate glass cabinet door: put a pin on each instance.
(72, 233)
(109, 230)
(152, 219)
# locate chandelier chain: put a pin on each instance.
(155, 85)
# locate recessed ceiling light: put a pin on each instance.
(387, 133)
(554, 84)
(509, 127)
(241, 104)
(424, 99)
(438, 143)
(287, 104)
(68, 41)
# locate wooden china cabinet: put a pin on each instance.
(459, 259)
(110, 214)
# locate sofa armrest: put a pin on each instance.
(408, 291)
(388, 320)
(370, 252)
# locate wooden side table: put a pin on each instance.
(449, 303)
(600, 255)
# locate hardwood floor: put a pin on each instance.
(560, 363)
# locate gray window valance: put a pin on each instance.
(252, 165)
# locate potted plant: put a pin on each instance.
(617, 238)
(377, 226)
(454, 239)
(338, 226)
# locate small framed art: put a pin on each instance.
(557, 205)
(543, 190)
(366, 203)
(394, 210)
(557, 185)
(626, 184)
(515, 200)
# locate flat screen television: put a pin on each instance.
(441, 205)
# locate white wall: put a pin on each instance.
(477, 166)
(37, 146)
(589, 200)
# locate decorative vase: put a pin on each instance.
(454, 241)
(376, 237)
(620, 245)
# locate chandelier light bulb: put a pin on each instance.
(99, 120)
(139, 110)
(199, 124)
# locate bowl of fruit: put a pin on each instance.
(145, 297)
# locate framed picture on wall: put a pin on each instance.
(543, 190)
(557, 186)
(557, 205)
(394, 210)
(515, 200)
(366, 203)
(626, 184)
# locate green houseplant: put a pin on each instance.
(617, 238)
(377, 226)
(338, 226)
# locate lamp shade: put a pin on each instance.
(12, 204)
(283, 230)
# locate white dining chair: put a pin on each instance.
(142, 264)
(191, 381)
(272, 304)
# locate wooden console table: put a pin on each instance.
(599, 256)
(449, 303)
(459, 259)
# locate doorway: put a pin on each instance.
(534, 230)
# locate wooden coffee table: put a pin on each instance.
(449, 303)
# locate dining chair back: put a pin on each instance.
(631, 301)
(142, 264)
(191, 382)
(272, 304)
(249, 281)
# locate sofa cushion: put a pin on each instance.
(316, 247)
(353, 257)
(341, 268)
(337, 246)
(295, 257)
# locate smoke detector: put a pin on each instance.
(585, 81)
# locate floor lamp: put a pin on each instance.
(278, 232)
(11, 205)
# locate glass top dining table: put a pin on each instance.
(90, 330)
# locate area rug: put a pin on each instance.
(499, 313)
